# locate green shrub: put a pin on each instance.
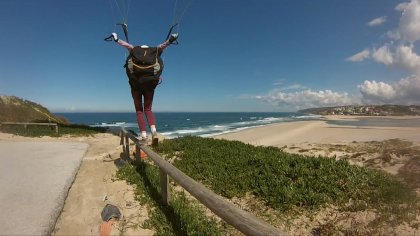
(281, 180)
(180, 217)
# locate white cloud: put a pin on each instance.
(360, 56)
(399, 53)
(407, 59)
(377, 91)
(280, 84)
(406, 91)
(307, 99)
(394, 34)
(383, 55)
(409, 27)
(402, 6)
(401, 56)
(293, 87)
(377, 21)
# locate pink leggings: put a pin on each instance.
(141, 108)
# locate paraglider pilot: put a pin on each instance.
(144, 67)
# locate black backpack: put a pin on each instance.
(144, 64)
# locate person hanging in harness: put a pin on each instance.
(144, 67)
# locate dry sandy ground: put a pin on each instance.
(94, 187)
(395, 150)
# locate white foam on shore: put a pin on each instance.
(308, 117)
(219, 129)
(110, 124)
(214, 129)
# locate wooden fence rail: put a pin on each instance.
(243, 221)
(25, 124)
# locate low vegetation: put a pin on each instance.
(180, 217)
(377, 154)
(285, 183)
(39, 131)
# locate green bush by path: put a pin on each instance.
(284, 181)
(42, 130)
(180, 217)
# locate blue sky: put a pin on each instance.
(234, 55)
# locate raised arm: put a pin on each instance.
(164, 45)
(122, 42)
(168, 42)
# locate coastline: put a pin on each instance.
(320, 131)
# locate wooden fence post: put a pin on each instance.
(164, 187)
(138, 158)
(122, 142)
(127, 147)
(122, 138)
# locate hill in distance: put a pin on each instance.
(14, 109)
(366, 110)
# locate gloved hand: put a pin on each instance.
(114, 37)
(173, 38)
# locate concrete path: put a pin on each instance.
(34, 181)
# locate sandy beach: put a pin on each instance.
(320, 131)
(360, 145)
(94, 185)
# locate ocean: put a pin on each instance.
(178, 124)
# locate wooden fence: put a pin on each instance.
(25, 124)
(243, 221)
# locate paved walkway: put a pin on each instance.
(34, 180)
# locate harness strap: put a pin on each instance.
(170, 32)
(108, 38)
(125, 29)
(145, 67)
(151, 66)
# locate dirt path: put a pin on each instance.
(94, 187)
